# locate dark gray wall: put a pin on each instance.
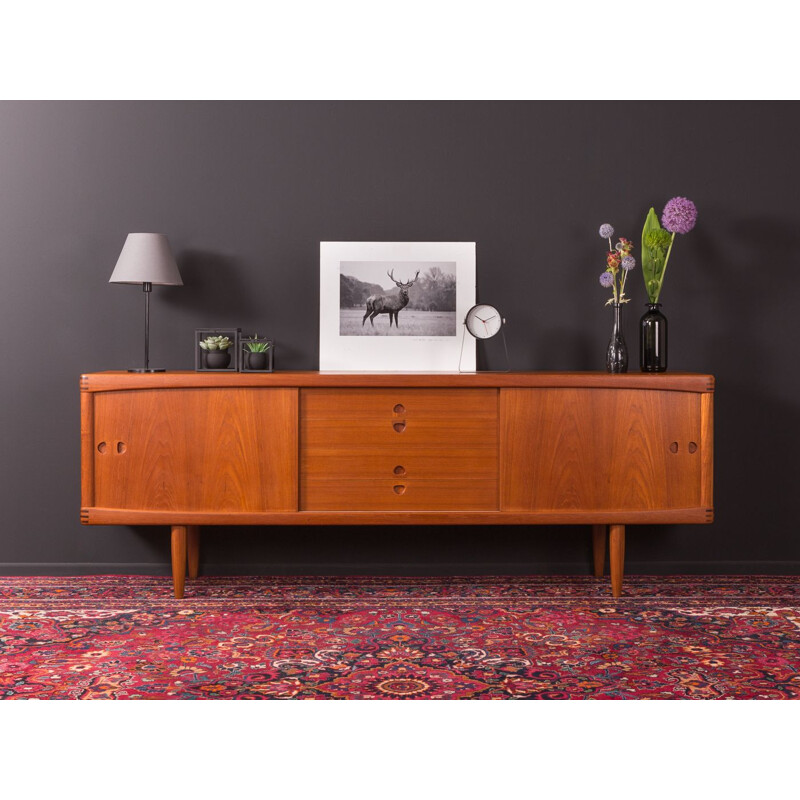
(247, 190)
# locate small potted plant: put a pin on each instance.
(256, 354)
(216, 351)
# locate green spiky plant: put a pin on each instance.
(257, 347)
(656, 247)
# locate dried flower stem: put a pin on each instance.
(619, 262)
(614, 284)
(622, 285)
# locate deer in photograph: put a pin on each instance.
(391, 305)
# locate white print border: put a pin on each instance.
(394, 353)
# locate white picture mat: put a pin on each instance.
(394, 353)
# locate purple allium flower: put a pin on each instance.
(680, 215)
(628, 263)
(606, 231)
(606, 280)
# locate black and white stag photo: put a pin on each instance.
(405, 298)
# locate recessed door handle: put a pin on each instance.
(119, 448)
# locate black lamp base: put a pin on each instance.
(141, 369)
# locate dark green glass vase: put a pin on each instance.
(653, 340)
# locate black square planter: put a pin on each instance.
(255, 362)
(213, 360)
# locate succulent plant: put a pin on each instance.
(216, 343)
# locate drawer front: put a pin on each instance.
(400, 495)
(403, 449)
(341, 404)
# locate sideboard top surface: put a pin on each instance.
(189, 379)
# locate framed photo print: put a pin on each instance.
(396, 306)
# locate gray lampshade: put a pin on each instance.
(146, 258)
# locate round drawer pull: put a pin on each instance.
(399, 409)
(399, 489)
(121, 447)
(101, 448)
(673, 448)
(692, 447)
(399, 427)
(398, 470)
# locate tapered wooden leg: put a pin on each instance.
(599, 548)
(178, 559)
(193, 549)
(616, 547)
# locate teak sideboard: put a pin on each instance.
(186, 449)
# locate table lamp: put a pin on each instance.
(146, 258)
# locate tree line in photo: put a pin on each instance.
(434, 290)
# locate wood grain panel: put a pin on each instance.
(444, 455)
(643, 471)
(185, 379)
(479, 464)
(370, 434)
(707, 435)
(547, 442)
(87, 449)
(599, 449)
(539, 427)
(426, 494)
(359, 404)
(662, 516)
(196, 450)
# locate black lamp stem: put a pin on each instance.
(147, 288)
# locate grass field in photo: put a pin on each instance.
(411, 323)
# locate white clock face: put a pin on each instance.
(483, 321)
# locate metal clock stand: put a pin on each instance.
(505, 349)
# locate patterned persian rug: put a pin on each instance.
(124, 637)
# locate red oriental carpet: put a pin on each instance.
(124, 637)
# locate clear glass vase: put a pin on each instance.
(617, 353)
(653, 340)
